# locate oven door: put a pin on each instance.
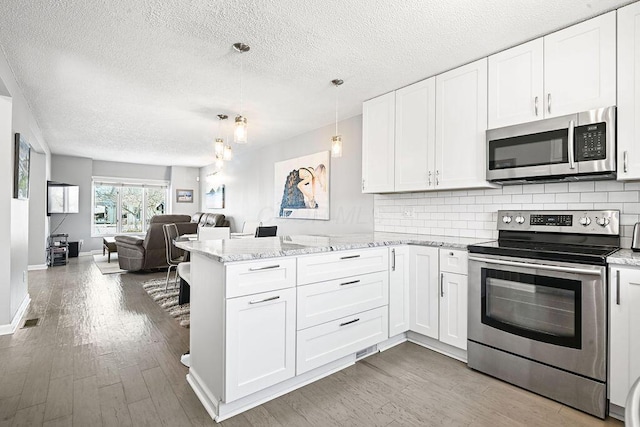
(554, 313)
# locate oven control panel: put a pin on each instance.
(583, 222)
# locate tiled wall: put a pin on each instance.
(473, 213)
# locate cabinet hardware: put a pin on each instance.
(264, 300)
(618, 287)
(350, 257)
(570, 145)
(437, 177)
(429, 179)
(442, 284)
(269, 267)
(450, 253)
(350, 283)
(393, 260)
(549, 103)
(363, 185)
(625, 161)
(349, 322)
(535, 103)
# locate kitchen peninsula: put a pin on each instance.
(270, 315)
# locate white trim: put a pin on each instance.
(616, 412)
(435, 345)
(130, 181)
(34, 267)
(11, 328)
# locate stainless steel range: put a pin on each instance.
(538, 304)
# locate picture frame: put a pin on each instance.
(184, 196)
(301, 187)
(214, 198)
(21, 164)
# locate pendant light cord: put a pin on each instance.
(336, 110)
(241, 78)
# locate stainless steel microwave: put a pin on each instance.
(567, 148)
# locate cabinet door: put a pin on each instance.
(260, 342)
(629, 92)
(378, 132)
(423, 277)
(415, 136)
(453, 309)
(624, 340)
(461, 123)
(399, 290)
(515, 85)
(580, 67)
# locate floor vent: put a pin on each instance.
(366, 352)
(30, 323)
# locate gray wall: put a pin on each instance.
(79, 171)
(249, 184)
(38, 223)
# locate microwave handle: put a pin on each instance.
(571, 145)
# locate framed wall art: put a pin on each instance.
(184, 196)
(22, 160)
(214, 198)
(302, 187)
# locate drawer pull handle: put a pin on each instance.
(265, 300)
(349, 322)
(350, 257)
(442, 284)
(618, 287)
(269, 267)
(350, 283)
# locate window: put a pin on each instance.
(126, 207)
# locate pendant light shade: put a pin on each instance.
(336, 140)
(227, 154)
(218, 146)
(240, 131)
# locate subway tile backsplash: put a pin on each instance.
(473, 213)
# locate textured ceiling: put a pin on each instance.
(142, 80)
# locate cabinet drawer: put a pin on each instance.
(260, 276)
(339, 264)
(453, 261)
(325, 301)
(325, 343)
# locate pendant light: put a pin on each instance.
(218, 145)
(336, 140)
(240, 132)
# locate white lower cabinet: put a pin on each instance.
(624, 339)
(330, 341)
(260, 341)
(424, 299)
(453, 309)
(399, 289)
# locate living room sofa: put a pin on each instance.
(137, 253)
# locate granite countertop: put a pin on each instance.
(231, 250)
(625, 257)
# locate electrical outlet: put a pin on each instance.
(409, 213)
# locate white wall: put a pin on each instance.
(184, 178)
(15, 215)
(38, 221)
(249, 184)
(473, 213)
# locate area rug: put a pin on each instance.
(168, 300)
(107, 267)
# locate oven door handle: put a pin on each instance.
(536, 266)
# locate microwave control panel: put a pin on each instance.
(591, 142)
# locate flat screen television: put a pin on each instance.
(62, 198)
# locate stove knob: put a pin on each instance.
(506, 219)
(520, 219)
(603, 222)
(585, 221)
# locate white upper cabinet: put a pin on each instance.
(461, 122)
(415, 136)
(567, 72)
(580, 67)
(629, 92)
(378, 133)
(516, 89)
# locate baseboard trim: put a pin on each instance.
(435, 345)
(11, 328)
(35, 267)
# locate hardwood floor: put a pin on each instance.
(105, 354)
